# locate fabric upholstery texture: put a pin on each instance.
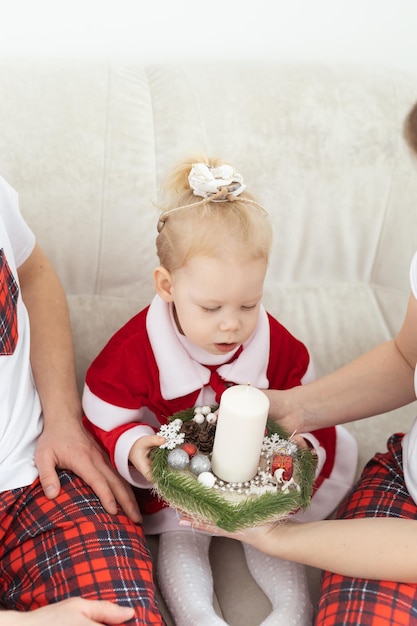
(87, 143)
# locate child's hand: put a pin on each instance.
(139, 453)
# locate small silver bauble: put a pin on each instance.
(200, 463)
(178, 459)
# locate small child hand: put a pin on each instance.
(139, 453)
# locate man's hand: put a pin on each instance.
(68, 446)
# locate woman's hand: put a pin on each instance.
(257, 536)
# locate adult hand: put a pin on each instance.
(71, 612)
(254, 535)
(68, 445)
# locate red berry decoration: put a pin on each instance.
(190, 449)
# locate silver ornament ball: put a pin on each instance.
(200, 463)
(178, 459)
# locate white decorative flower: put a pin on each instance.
(206, 181)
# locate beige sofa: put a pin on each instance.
(87, 143)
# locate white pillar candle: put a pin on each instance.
(240, 430)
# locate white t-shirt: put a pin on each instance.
(410, 439)
(20, 409)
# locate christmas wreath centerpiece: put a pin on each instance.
(183, 475)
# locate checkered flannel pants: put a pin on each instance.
(380, 492)
(56, 549)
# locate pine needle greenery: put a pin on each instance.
(181, 490)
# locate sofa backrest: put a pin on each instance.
(86, 145)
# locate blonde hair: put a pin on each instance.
(410, 128)
(207, 227)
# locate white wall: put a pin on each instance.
(382, 32)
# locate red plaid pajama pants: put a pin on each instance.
(55, 549)
(380, 492)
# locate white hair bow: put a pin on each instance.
(207, 181)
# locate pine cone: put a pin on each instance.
(201, 435)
